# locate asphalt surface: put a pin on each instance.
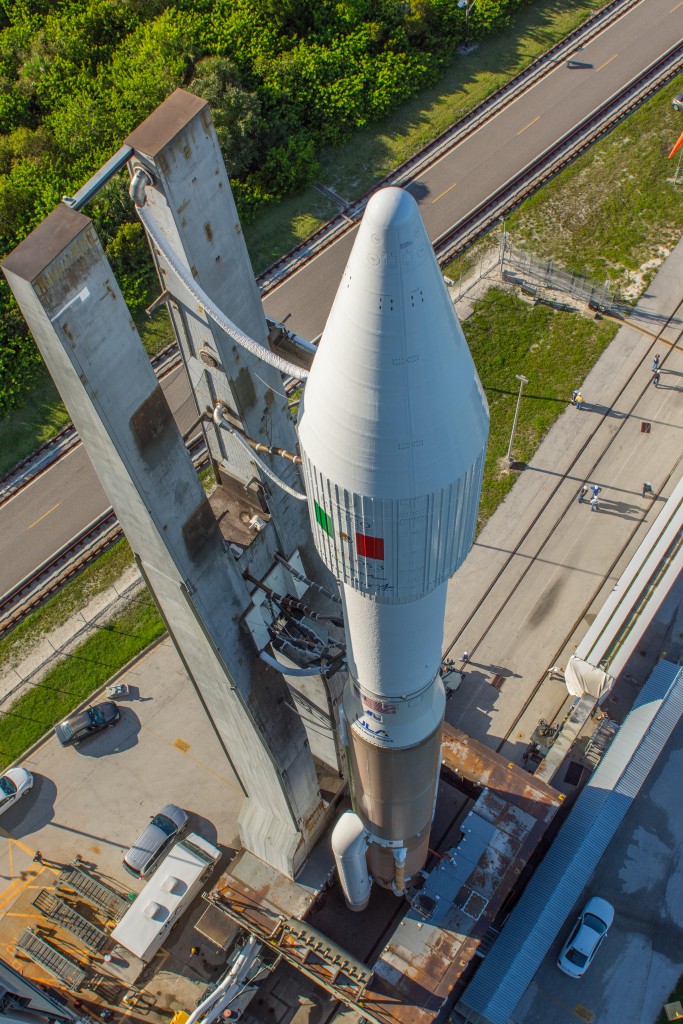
(64, 500)
(544, 564)
(47, 514)
(641, 875)
(94, 800)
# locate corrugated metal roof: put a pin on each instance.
(500, 982)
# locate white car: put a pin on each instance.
(14, 784)
(586, 937)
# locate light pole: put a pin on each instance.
(468, 7)
(522, 381)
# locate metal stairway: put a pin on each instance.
(101, 896)
(66, 917)
(58, 965)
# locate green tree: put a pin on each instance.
(236, 114)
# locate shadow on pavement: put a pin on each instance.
(34, 811)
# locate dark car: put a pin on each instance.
(76, 727)
(144, 854)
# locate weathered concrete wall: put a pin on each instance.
(67, 292)
(193, 204)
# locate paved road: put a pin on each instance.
(68, 496)
(565, 558)
(37, 521)
(502, 147)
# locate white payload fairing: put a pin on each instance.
(393, 432)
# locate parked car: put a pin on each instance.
(677, 101)
(145, 853)
(15, 783)
(76, 727)
(586, 937)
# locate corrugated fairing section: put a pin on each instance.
(501, 981)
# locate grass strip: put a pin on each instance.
(75, 595)
(553, 349)
(42, 415)
(615, 213)
(372, 153)
(76, 678)
(68, 601)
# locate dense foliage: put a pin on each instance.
(283, 77)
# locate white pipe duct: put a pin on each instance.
(229, 988)
(140, 181)
(349, 845)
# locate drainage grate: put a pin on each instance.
(497, 681)
(645, 428)
(473, 904)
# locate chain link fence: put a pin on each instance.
(528, 271)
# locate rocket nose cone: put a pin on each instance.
(391, 208)
(393, 402)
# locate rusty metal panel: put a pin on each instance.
(477, 763)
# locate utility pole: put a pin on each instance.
(522, 381)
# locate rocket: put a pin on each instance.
(393, 428)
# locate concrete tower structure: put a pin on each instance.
(68, 294)
(193, 208)
(393, 431)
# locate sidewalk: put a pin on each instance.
(568, 558)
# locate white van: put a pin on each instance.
(178, 879)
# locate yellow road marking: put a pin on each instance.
(13, 891)
(455, 183)
(607, 62)
(17, 842)
(676, 7)
(200, 764)
(9, 890)
(529, 124)
(43, 516)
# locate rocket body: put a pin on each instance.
(393, 430)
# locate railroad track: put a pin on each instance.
(330, 232)
(59, 446)
(72, 557)
(85, 547)
(531, 558)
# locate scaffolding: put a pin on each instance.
(57, 910)
(54, 962)
(101, 896)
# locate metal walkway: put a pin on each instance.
(66, 917)
(101, 896)
(58, 965)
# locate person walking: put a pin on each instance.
(655, 363)
(574, 396)
(655, 377)
(580, 401)
(582, 494)
(594, 503)
(647, 488)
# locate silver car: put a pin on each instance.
(15, 783)
(146, 852)
(586, 937)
